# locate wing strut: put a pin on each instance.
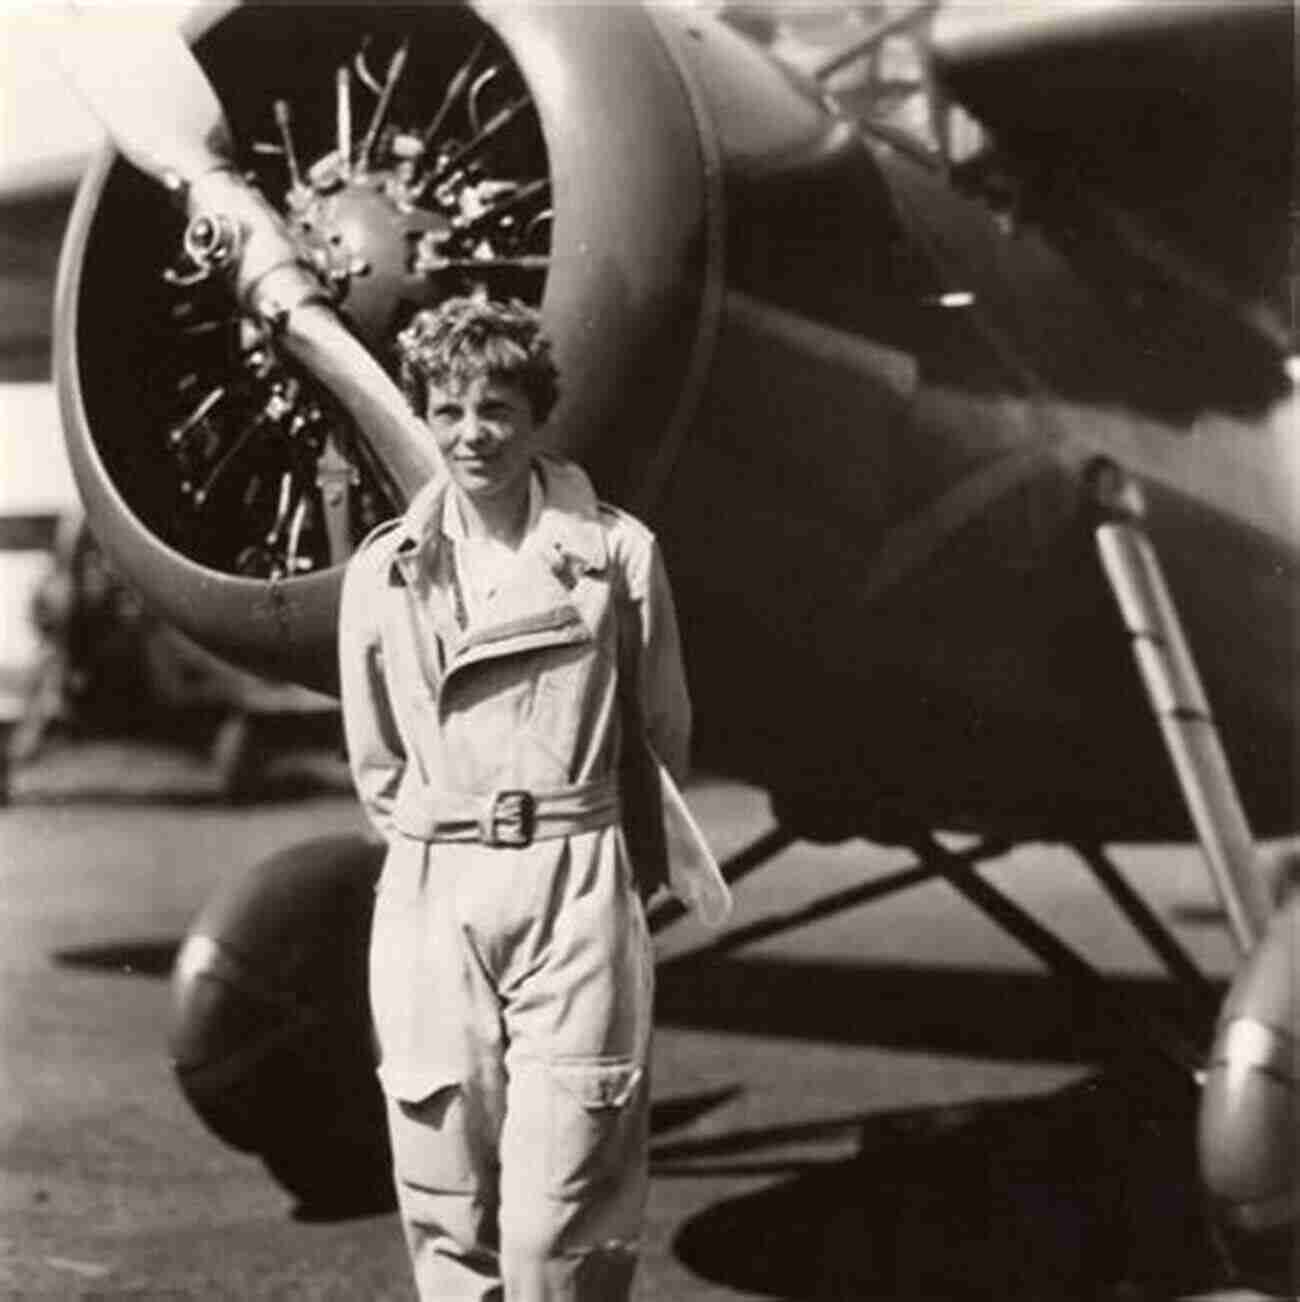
(1174, 689)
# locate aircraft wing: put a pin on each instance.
(1165, 125)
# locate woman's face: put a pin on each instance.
(485, 433)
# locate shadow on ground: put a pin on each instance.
(975, 1012)
(1087, 1193)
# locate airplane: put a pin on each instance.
(958, 442)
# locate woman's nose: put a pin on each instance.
(473, 430)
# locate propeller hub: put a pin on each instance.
(211, 240)
(362, 239)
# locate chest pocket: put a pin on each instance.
(563, 698)
(566, 698)
(560, 679)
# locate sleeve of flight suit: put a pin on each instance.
(665, 702)
(375, 753)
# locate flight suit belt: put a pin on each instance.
(511, 817)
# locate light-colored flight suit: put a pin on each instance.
(511, 986)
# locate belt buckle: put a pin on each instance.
(511, 820)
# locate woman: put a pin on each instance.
(496, 643)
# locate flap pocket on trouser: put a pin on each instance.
(598, 1082)
(597, 1122)
(415, 1083)
(430, 1124)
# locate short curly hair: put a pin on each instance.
(464, 338)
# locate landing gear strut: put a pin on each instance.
(1174, 689)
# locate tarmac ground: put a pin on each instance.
(890, 1101)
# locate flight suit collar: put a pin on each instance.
(568, 534)
(567, 553)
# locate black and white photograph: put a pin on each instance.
(650, 650)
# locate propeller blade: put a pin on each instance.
(155, 101)
(139, 78)
(398, 437)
